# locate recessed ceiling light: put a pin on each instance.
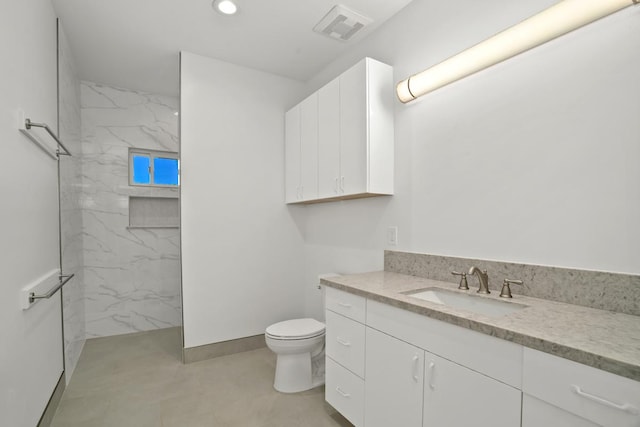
(226, 7)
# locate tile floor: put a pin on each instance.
(138, 380)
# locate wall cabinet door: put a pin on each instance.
(353, 130)
(393, 382)
(292, 155)
(329, 140)
(301, 151)
(309, 147)
(457, 396)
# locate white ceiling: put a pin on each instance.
(135, 43)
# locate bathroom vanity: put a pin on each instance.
(394, 358)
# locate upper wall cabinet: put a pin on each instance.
(350, 155)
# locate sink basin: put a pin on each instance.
(472, 303)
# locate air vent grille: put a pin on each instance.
(341, 23)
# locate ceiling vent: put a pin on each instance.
(341, 23)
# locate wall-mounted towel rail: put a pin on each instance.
(63, 280)
(28, 124)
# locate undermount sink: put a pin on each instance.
(472, 303)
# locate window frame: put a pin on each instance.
(152, 155)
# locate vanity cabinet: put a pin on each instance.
(419, 371)
(354, 137)
(559, 389)
(301, 151)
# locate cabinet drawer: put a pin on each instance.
(349, 305)
(536, 413)
(345, 392)
(598, 396)
(345, 342)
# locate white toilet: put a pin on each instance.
(299, 346)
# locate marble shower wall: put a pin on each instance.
(132, 276)
(70, 208)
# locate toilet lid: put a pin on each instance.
(296, 329)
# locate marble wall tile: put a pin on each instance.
(132, 275)
(595, 289)
(70, 209)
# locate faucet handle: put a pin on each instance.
(463, 280)
(506, 290)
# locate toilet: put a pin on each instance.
(299, 347)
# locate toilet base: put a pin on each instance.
(298, 372)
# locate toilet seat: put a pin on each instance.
(296, 329)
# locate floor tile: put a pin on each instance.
(139, 380)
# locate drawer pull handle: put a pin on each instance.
(415, 367)
(343, 342)
(431, 372)
(342, 393)
(344, 304)
(627, 407)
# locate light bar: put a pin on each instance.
(559, 19)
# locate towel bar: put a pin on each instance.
(28, 124)
(63, 280)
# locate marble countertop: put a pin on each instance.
(602, 339)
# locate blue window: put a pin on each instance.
(141, 169)
(165, 171)
(153, 168)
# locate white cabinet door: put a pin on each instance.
(393, 382)
(329, 140)
(457, 396)
(353, 130)
(292, 155)
(536, 413)
(309, 147)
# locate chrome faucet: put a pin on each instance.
(483, 278)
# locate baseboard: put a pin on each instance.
(52, 406)
(224, 348)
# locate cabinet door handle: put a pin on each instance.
(626, 407)
(343, 342)
(342, 184)
(335, 186)
(342, 393)
(344, 304)
(416, 358)
(431, 372)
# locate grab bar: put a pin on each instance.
(63, 280)
(28, 124)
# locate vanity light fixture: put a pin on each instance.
(559, 19)
(225, 7)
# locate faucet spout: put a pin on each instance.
(483, 279)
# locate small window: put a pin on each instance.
(154, 168)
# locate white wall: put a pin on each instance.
(533, 160)
(242, 250)
(31, 351)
